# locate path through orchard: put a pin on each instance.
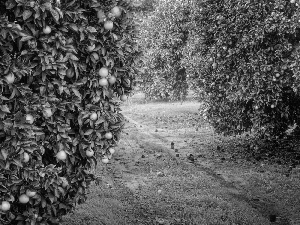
(197, 182)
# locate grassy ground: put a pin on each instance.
(147, 182)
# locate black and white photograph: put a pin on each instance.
(149, 112)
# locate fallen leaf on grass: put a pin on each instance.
(158, 155)
(160, 221)
(160, 174)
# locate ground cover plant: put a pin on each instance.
(65, 66)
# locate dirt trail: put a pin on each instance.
(148, 183)
(232, 191)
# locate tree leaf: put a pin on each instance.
(47, 5)
(4, 108)
(17, 163)
(76, 92)
(4, 153)
(74, 27)
(73, 57)
(26, 38)
(59, 12)
(88, 132)
(91, 29)
(27, 14)
(55, 15)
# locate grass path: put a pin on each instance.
(147, 182)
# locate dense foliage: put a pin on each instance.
(163, 35)
(64, 67)
(244, 55)
(144, 6)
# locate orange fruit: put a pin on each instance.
(30, 193)
(23, 199)
(26, 157)
(103, 82)
(89, 153)
(10, 78)
(47, 30)
(111, 150)
(61, 155)
(93, 116)
(5, 206)
(108, 135)
(103, 72)
(116, 11)
(105, 160)
(29, 119)
(123, 98)
(112, 80)
(108, 25)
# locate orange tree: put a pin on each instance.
(64, 67)
(163, 34)
(244, 56)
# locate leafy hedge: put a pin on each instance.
(244, 56)
(64, 67)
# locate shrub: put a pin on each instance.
(58, 113)
(245, 55)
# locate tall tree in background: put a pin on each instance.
(245, 56)
(163, 36)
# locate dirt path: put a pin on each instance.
(254, 210)
(147, 182)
